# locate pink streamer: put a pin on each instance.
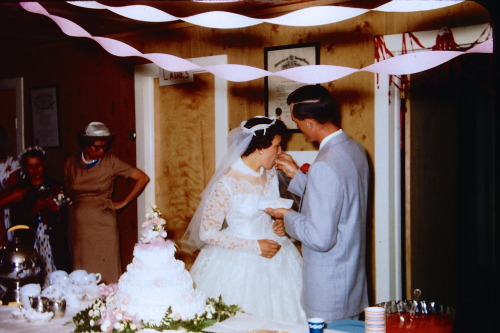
(399, 65)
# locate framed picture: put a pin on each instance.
(45, 117)
(279, 58)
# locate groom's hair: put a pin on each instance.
(263, 139)
(315, 102)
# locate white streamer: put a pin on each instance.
(403, 64)
(306, 17)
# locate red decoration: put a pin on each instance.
(305, 167)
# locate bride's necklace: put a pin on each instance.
(89, 164)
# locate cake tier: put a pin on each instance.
(155, 281)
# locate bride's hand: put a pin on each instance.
(268, 248)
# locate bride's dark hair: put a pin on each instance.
(264, 138)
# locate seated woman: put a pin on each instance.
(242, 258)
(43, 207)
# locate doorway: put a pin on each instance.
(12, 112)
(146, 103)
(391, 252)
(449, 190)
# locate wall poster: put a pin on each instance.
(279, 58)
(45, 117)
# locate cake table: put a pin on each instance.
(8, 324)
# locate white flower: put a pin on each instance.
(92, 322)
(105, 325)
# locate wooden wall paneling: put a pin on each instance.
(185, 151)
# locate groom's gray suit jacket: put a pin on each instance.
(331, 226)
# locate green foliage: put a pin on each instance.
(216, 310)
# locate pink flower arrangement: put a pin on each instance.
(106, 290)
(153, 229)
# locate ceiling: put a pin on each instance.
(20, 29)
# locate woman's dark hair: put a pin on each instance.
(32, 152)
(86, 141)
(315, 102)
(261, 140)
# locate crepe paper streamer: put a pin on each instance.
(313, 16)
(402, 64)
(315, 73)
(117, 48)
(134, 12)
(306, 17)
(406, 6)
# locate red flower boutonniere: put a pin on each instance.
(305, 167)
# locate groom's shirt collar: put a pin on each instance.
(326, 139)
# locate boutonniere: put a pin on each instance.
(305, 167)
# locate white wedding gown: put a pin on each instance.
(230, 265)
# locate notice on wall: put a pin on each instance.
(45, 117)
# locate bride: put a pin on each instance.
(242, 259)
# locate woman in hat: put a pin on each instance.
(90, 176)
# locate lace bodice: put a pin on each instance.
(238, 198)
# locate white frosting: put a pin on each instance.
(155, 281)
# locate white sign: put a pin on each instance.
(168, 78)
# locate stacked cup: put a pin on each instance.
(316, 325)
(374, 319)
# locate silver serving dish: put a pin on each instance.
(19, 265)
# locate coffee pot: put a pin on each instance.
(19, 265)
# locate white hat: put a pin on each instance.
(96, 129)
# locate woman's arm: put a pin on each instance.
(141, 180)
(8, 197)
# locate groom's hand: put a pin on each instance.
(285, 163)
(268, 248)
(279, 227)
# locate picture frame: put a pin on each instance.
(277, 89)
(44, 110)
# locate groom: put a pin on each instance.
(331, 222)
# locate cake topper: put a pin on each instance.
(153, 229)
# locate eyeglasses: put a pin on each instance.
(103, 147)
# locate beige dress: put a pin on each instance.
(93, 229)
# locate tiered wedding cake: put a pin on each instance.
(156, 292)
(155, 280)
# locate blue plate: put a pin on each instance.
(347, 325)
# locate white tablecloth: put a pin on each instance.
(9, 324)
(237, 324)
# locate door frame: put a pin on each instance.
(17, 84)
(144, 120)
(388, 196)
